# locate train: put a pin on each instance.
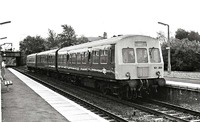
(127, 66)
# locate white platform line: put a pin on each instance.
(189, 85)
(72, 111)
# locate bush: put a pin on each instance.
(185, 55)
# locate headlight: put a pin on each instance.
(158, 73)
(128, 75)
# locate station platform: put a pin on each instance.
(29, 101)
(183, 82)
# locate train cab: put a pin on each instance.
(138, 57)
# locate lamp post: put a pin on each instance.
(169, 59)
(3, 38)
(5, 22)
(1, 60)
(2, 24)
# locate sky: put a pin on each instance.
(93, 17)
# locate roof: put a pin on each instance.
(48, 51)
(108, 41)
(31, 55)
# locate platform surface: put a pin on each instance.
(29, 101)
(21, 104)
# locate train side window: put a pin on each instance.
(70, 58)
(89, 57)
(103, 56)
(74, 58)
(58, 59)
(84, 58)
(67, 57)
(142, 56)
(78, 58)
(95, 57)
(128, 55)
(50, 59)
(63, 59)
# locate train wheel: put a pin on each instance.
(129, 93)
(121, 94)
(135, 95)
(105, 91)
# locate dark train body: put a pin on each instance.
(125, 65)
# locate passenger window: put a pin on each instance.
(154, 55)
(84, 57)
(104, 56)
(70, 58)
(142, 56)
(65, 59)
(73, 58)
(78, 58)
(128, 55)
(95, 57)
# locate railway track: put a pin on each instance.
(156, 109)
(169, 111)
(164, 110)
(93, 108)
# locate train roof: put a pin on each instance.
(32, 55)
(100, 43)
(47, 52)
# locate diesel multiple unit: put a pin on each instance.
(126, 66)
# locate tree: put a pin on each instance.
(52, 40)
(181, 34)
(161, 36)
(193, 36)
(67, 37)
(32, 45)
(184, 55)
(82, 39)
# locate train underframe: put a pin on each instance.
(123, 89)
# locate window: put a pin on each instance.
(95, 57)
(128, 55)
(58, 59)
(84, 57)
(142, 56)
(65, 59)
(74, 58)
(154, 55)
(140, 44)
(70, 58)
(78, 58)
(62, 59)
(104, 56)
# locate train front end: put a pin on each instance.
(139, 64)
